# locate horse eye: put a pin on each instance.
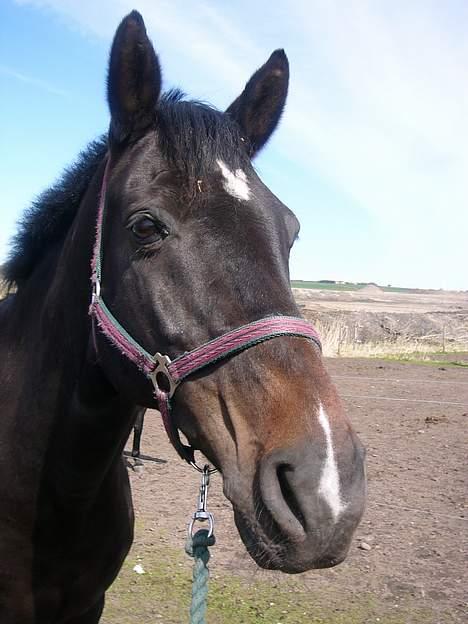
(145, 229)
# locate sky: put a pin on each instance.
(371, 153)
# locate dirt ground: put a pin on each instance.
(377, 300)
(406, 563)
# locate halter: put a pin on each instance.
(165, 374)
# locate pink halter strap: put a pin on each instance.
(167, 374)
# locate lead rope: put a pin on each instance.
(197, 547)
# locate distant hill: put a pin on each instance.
(369, 286)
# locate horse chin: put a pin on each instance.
(275, 552)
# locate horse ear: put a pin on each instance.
(134, 79)
(259, 107)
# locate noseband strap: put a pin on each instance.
(166, 374)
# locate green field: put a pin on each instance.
(324, 286)
(344, 286)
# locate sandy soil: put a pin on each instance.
(413, 422)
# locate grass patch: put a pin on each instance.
(340, 339)
(162, 594)
(419, 358)
(324, 286)
(347, 286)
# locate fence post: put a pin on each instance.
(443, 339)
(343, 332)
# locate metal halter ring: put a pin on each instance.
(162, 368)
(205, 468)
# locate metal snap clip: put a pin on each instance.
(201, 514)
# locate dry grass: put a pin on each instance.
(339, 340)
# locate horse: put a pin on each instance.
(162, 238)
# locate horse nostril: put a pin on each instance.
(279, 499)
(283, 472)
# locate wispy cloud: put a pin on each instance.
(34, 82)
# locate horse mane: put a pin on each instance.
(192, 136)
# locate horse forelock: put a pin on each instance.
(193, 136)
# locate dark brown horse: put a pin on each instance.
(195, 245)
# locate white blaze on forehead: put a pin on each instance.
(234, 183)
(329, 486)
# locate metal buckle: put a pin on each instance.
(96, 290)
(162, 368)
(201, 514)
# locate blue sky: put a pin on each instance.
(371, 153)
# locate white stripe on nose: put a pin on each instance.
(329, 486)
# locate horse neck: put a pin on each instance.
(88, 420)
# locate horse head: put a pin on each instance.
(195, 244)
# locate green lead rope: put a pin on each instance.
(197, 547)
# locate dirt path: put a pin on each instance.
(415, 526)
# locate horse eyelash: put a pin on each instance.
(144, 253)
